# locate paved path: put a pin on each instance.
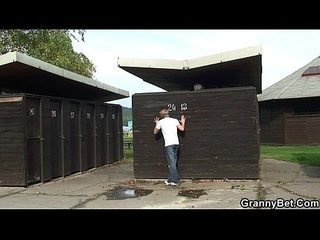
(105, 188)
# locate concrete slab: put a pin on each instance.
(92, 190)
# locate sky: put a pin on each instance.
(283, 51)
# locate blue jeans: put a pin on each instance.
(172, 158)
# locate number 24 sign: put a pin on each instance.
(173, 107)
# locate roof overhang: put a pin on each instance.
(22, 73)
(238, 68)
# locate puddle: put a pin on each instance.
(192, 193)
(119, 193)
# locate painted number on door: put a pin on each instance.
(32, 112)
(173, 107)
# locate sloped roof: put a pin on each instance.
(22, 73)
(295, 85)
(238, 68)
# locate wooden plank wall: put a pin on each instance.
(33, 140)
(271, 123)
(71, 154)
(52, 137)
(120, 134)
(12, 145)
(221, 139)
(42, 138)
(100, 119)
(302, 129)
(90, 135)
(290, 121)
(115, 133)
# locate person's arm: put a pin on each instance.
(182, 121)
(156, 127)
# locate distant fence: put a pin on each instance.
(127, 143)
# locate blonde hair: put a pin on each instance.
(164, 113)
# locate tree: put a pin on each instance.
(126, 115)
(49, 45)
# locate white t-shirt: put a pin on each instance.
(169, 130)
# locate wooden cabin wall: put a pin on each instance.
(42, 138)
(221, 139)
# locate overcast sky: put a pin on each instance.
(283, 51)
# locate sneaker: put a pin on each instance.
(174, 184)
(167, 183)
(171, 183)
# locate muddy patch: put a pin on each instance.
(144, 182)
(119, 193)
(192, 193)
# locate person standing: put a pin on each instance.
(169, 127)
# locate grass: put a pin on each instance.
(127, 136)
(303, 154)
(128, 153)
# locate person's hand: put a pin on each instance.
(156, 120)
(182, 119)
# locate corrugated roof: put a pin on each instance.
(295, 85)
(238, 68)
(22, 73)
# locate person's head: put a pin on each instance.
(164, 113)
(198, 86)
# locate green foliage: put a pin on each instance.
(48, 45)
(303, 154)
(126, 115)
(128, 154)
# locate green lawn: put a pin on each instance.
(128, 153)
(303, 154)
